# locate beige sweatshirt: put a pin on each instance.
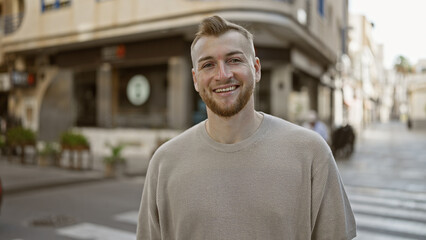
(280, 183)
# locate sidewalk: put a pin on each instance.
(18, 178)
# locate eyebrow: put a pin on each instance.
(228, 54)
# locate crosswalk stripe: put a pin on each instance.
(95, 232)
(365, 235)
(128, 217)
(392, 225)
(386, 193)
(389, 202)
(389, 212)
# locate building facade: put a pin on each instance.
(416, 96)
(363, 87)
(108, 64)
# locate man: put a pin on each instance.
(314, 123)
(241, 174)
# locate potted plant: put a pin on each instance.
(48, 153)
(114, 159)
(73, 140)
(75, 143)
(19, 137)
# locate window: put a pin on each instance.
(321, 7)
(48, 5)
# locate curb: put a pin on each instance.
(50, 185)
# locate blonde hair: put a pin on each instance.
(216, 26)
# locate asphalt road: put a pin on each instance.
(100, 210)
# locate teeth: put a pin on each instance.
(226, 89)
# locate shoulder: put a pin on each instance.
(183, 139)
(288, 129)
(295, 136)
(176, 145)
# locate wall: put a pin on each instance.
(327, 27)
(58, 111)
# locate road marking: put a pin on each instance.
(365, 235)
(392, 225)
(128, 217)
(395, 203)
(388, 211)
(387, 193)
(95, 232)
(383, 211)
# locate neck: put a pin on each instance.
(233, 129)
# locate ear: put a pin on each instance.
(194, 79)
(257, 69)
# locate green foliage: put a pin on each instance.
(115, 156)
(73, 140)
(49, 149)
(2, 142)
(403, 65)
(20, 136)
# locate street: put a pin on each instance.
(102, 210)
(385, 180)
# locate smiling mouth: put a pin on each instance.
(228, 89)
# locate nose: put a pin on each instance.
(224, 72)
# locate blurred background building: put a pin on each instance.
(102, 65)
(363, 86)
(120, 70)
(416, 96)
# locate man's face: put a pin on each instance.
(225, 71)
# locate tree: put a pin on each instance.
(403, 65)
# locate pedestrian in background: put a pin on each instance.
(314, 123)
(240, 174)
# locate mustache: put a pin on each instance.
(230, 81)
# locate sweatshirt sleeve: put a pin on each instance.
(148, 221)
(331, 216)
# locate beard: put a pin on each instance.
(228, 111)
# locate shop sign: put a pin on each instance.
(114, 52)
(22, 79)
(4, 82)
(138, 90)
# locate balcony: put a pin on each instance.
(10, 23)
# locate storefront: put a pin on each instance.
(148, 85)
(145, 84)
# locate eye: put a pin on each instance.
(206, 65)
(234, 60)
